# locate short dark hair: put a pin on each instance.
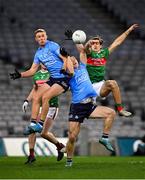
(98, 38)
(39, 30)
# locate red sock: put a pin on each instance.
(59, 146)
(119, 107)
(31, 152)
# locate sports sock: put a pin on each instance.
(119, 107)
(41, 122)
(105, 135)
(33, 122)
(31, 151)
(69, 159)
(59, 146)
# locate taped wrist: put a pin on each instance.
(26, 101)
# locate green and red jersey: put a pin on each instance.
(96, 65)
(41, 77)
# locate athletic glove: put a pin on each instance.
(68, 33)
(63, 52)
(15, 75)
(25, 105)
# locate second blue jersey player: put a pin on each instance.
(82, 107)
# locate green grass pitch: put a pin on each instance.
(83, 168)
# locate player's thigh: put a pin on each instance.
(102, 112)
(53, 91)
(37, 93)
(41, 90)
(105, 89)
(97, 86)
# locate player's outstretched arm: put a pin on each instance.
(30, 96)
(83, 52)
(28, 73)
(120, 39)
(83, 56)
(27, 100)
(80, 48)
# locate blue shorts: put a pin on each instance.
(63, 82)
(78, 112)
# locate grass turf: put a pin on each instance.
(83, 168)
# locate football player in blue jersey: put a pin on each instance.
(83, 106)
(51, 56)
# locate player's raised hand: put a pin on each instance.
(134, 26)
(15, 75)
(68, 33)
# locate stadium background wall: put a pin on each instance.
(19, 147)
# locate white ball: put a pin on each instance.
(79, 37)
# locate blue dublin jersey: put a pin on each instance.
(49, 56)
(80, 85)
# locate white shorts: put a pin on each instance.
(52, 113)
(97, 86)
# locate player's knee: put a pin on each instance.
(36, 99)
(45, 98)
(72, 137)
(108, 84)
(112, 113)
(113, 84)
